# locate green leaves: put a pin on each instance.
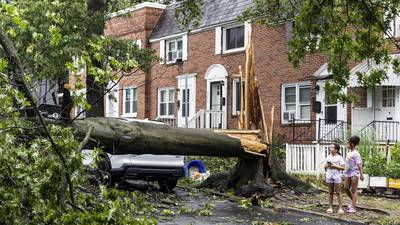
(346, 32)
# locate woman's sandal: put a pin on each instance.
(329, 211)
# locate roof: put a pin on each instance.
(136, 7)
(214, 12)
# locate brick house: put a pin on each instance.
(197, 84)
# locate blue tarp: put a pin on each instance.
(197, 163)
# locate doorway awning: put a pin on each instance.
(393, 79)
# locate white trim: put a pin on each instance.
(162, 52)
(235, 82)
(185, 52)
(173, 36)
(297, 102)
(167, 50)
(136, 7)
(116, 89)
(392, 77)
(218, 40)
(322, 72)
(216, 73)
(245, 39)
(192, 83)
(186, 75)
(168, 89)
(79, 92)
(123, 102)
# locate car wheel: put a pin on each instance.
(167, 185)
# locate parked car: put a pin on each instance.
(165, 169)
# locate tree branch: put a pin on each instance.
(14, 60)
(86, 139)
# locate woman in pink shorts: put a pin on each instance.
(334, 164)
(353, 172)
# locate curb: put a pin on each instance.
(355, 222)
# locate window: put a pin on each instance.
(330, 109)
(79, 110)
(130, 102)
(388, 96)
(185, 102)
(236, 96)
(233, 38)
(296, 103)
(166, 102)
(174, 50)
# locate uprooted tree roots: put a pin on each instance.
(252, 175)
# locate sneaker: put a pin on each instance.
(329, 211)
(351, 210)
(350, 205)
(340, 211)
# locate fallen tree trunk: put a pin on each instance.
(140, 137)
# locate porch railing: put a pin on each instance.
(320, 130)
(382, 131)
(329, 131)
(209, 119)
(168, 120)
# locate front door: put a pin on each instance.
(187, 99)
(385, 113)
(217, 102)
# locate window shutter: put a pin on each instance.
(184, 47)
(247, 32)
(396, 27)
(162, 51)
(218, 40)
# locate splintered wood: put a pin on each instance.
(250, 139)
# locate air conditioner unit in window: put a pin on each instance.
(288, 116)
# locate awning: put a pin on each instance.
(393, 79)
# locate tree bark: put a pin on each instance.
(137, 137)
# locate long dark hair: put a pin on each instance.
(337, 147)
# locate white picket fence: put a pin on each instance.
(308, 159)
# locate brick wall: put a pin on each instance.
(273, 69)
(201, 55)
(137, 25)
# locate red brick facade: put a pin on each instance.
(272, 68)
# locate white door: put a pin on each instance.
(331, 120)
(217, 105)
(187, 99)
(385, 113)
(112, 106)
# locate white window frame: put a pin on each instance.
(235, 83)
(224, 36)
(297, 112)
(167, 50)
(130, 114)
(168, 89)
(114, 90)
(78, 109)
